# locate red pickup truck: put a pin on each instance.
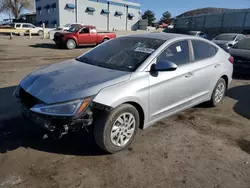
(79, 35)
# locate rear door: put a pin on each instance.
(87, 36)
(206, 69)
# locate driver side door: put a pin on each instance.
(86, 36)
(170, 91)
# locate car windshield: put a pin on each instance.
(123, 54)
(74, 28)
(229, 37)
(192, 33)
(243, 44)
(67, 25)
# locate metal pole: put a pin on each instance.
(76, 10)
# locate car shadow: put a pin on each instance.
(241, 94)
(45, 45)
(16, 132)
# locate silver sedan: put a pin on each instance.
(124, 84)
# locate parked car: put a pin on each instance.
(124, 84)
(28, 26)
(81, 36)
(68, 26)
(227, 40)
(241, 54)
(198, 34)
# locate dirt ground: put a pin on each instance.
(201, 147)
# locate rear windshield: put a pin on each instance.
(243, 44)
(228, 37)
(123, 54)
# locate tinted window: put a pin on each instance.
(18, 25)
(243, 44)
(203, 50)
(177, 53)
(240, 37)
(124, 54)
(27, 26)
(226, 37)
(85, 30)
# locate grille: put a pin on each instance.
(27, 99)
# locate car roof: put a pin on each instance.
(158, 35)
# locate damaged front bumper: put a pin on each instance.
(56, 125)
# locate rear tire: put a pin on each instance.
(218, 93)
(105, 40)
(71, 44)
(112, 133)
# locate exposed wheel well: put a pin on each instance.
(226, 79)
(141, 113)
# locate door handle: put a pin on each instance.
(217, 65)
(189, 74)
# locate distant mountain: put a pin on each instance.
(207, 10)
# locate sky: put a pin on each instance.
(176, 7)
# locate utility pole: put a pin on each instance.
(76, 11)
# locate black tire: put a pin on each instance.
(213, 102)
(105, 40)
(104, 124)
(40, 33)
(71, 44)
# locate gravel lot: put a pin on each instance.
(201, 147)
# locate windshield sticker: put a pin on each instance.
(144, 50)
(178, 48)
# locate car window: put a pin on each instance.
(244, 44)
(177, 53)
(226, 37)
(203, 50)
(26, 26)
(18, 25)
(240, 37)
(85, 30)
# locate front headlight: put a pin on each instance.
(63, 109)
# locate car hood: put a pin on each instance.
(70, 80)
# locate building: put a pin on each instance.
(27, 18)
(104, 14)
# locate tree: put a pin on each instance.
(166, 18)
(16, 6)
(150, 16)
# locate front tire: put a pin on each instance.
(40, 33)
(71, 44)
(218, 93)
(114, 131)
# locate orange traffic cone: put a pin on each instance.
(10, 36)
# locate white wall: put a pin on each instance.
(66, 15)
(117, 22)
(96, 18)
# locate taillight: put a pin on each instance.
(231, 59)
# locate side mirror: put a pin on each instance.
(164, 66)
(230, 45)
